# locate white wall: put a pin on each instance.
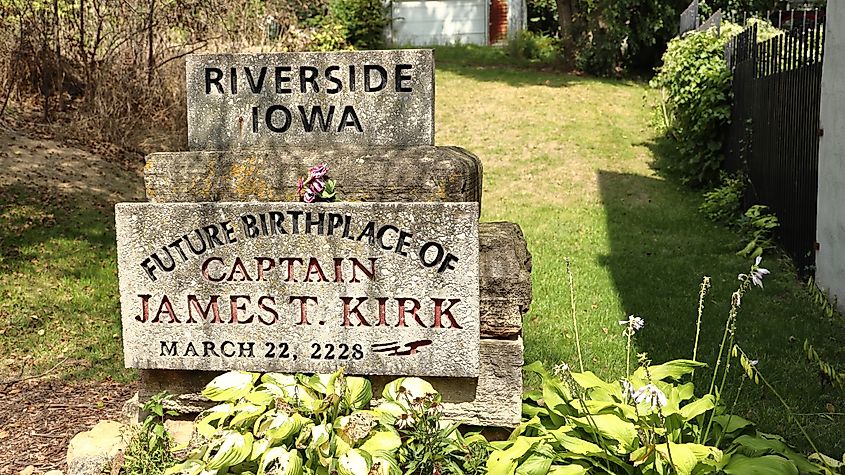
(830, 227)
(438, 22)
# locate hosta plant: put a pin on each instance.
(651, 421)
(322, 424)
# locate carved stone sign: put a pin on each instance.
(381, 288)
(355, 98)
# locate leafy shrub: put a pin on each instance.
(149, 449)
(321, 424)
(697, 102)
(363, 21)
(758, 225)
(542, 17)
(329, 36)
(723, 204)
(533, 47)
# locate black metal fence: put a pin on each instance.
(774, 132)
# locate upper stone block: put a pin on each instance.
(349, 98)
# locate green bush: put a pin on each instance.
(542, 17)
(534, 47)
(697, 103)
(363, 21)
(758, 225)
(723, 204)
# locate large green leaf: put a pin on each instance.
(280, 461)
(358, 393)
(355, 462)
(674, 370)
(405, 390)
(504, 462)
(766, 465)
(609, 426)
(575, 444)
(229, 386)
(730, 423)
(697, 407)
(383, 441)
(684, 457)
(246, 413)
(539, 460)
(589, 380)
(763, 444)
(230, 449)
(567, 470)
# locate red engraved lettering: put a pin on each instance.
(212, 306)
(353, 311)
(270, 310)
(290, 261)
(264, 264)
(145, 309)
(356, 264)
(314, 265)
(338, 269)
(165, 309)
(239, 270)
(234, 306)
(414, 311)
(303, 307)
(382, 314)
(440, 312)
(204, 269)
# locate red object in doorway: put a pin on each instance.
(498, 21)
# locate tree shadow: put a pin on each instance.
(59, 303)
(661, 247)
(491, 64)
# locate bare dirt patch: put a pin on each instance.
(38, 419)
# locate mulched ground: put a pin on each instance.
(38, 419)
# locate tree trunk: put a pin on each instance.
(565, 13)
(150, 53)
(60, 71)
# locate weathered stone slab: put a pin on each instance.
(423, 173)
(505, 270)
(492, 399)
(380, 288)
(268, 100)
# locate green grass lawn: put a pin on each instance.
(571, 159)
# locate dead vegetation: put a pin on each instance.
(112, 71)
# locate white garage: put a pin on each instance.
(439, 22)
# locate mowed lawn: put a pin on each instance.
(571, 159)
(568, 158)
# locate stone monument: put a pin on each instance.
(226, 268)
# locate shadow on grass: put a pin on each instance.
(58, 283)
(494, 64)
(661, 246)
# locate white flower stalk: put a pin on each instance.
(627, 389)
(561, 370)
(651, 395)
(633, 324)
(758, 272)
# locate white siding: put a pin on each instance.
(830, 226)
(437, 22)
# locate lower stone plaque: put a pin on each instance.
(379, 288)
